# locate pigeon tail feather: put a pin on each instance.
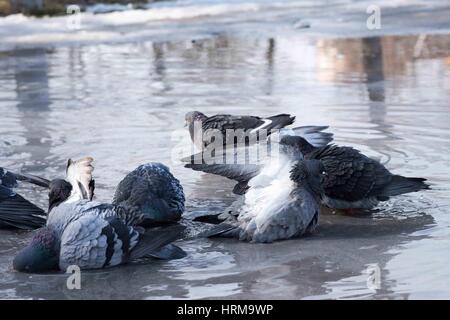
(152, 240)
(223, 230)
(400, 185)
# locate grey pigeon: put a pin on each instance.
(200, 126)
(15, 210)
(91, 235)
(229, 164)
(354, 180)
(154, 191)
(94, 235)
(150, 188)
(282, 203)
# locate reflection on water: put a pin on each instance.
(33, 102)
(121, 103)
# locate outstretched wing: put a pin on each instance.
(241, 163)
(18, 212)
(9, 179)
(313, 134)
(245, 162)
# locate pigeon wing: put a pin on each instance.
(240, 163)
(93, 242)
(351, 176)
(18, 212)
(222, 122)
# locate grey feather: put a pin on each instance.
(18, 212)
(313, 134)
(400, 185)
(354, 180)
(168, 252)
(42, 182)
(152, 240)
(15, 210)
(85, 243)
(152, 190)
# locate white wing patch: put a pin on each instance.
(79, 175)
(269, 193)
(266, 123)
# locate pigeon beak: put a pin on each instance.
(185, 124)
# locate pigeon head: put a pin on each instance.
(42, 254)
(192, 116)
(59, 192)
(295, 147)
(310, 174)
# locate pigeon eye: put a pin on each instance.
(324, 173)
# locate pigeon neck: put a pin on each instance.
(60, 191)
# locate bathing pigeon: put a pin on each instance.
(202, 128)
(150, 188)
(153, 190)
(354, 180)
(245, 162)
(282, 203)
(93, 235)
(15, 210)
